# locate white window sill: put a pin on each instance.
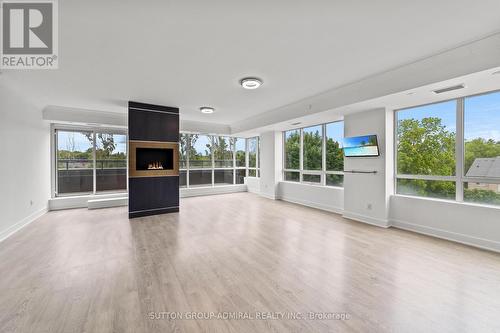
(312, 185)
(454, 202)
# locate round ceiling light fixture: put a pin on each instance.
(251, 83)
(207, 109)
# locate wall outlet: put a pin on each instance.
(369, 206)
(31, 202)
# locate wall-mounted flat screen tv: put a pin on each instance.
(361, 146)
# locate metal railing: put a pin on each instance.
(72, 164)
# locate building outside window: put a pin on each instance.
(450, 150)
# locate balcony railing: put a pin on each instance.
(207, 164)
(71, 164)
(77, 175)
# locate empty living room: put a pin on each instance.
(249, 166)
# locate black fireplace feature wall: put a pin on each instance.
(153, 174)
(154, 159)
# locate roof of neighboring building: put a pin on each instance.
(485, 167)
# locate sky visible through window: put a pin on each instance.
(78, 141)
(482, 115)
(335, 131)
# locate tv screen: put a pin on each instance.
(361, 146)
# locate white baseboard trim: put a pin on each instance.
(200, 191)
(481, 243)
(366, 219)
(336, 210)
(267, 196)
(107, 203)
(23, 223)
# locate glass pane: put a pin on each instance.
(292, 149)
(258, 153)
(182, 178)
(426, 140)
(223, 177)
(313, 138)
(335, 180)
(200, 178)
(334, 154)
(482, 193)
(311, 178)
(111, 162)
(240, 176)
(252, 173)
(482, 136)
(75, 164)
(240, 152)
(427, 188)
(200, 154)
(252, 152)
(223, 151)
(292, 176)
(183, 148)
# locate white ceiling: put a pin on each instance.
(192, 53)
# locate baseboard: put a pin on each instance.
(336, 210)
(481, 243)
(366, 219)
(267, 196)
(21, 224)
(107, 203)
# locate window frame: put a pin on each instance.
(460, 178)
(54, 128)
(323, 172)
(257, 157)
(234, 168)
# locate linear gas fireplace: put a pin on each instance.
(153, 159)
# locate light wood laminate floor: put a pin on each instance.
(96, 271)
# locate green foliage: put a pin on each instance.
(425, 147)
(334, 156)
(482, 196)
(292, 151)
(312, 151)
(480, 148)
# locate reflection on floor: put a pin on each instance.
(280, 267)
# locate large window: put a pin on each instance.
(334, 154)
(253, 156)
(90, 162)
(207, 160)
(450, 150)
(200, 160)
(482, 149)
(314, 155)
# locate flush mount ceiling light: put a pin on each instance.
(251, 83)
(207, 109)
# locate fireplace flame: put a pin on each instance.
(155, 166)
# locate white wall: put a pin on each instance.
(322, 197)
(25, 166)
(366, 196)
(253, 184)
(271, 152)
(465, 223)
